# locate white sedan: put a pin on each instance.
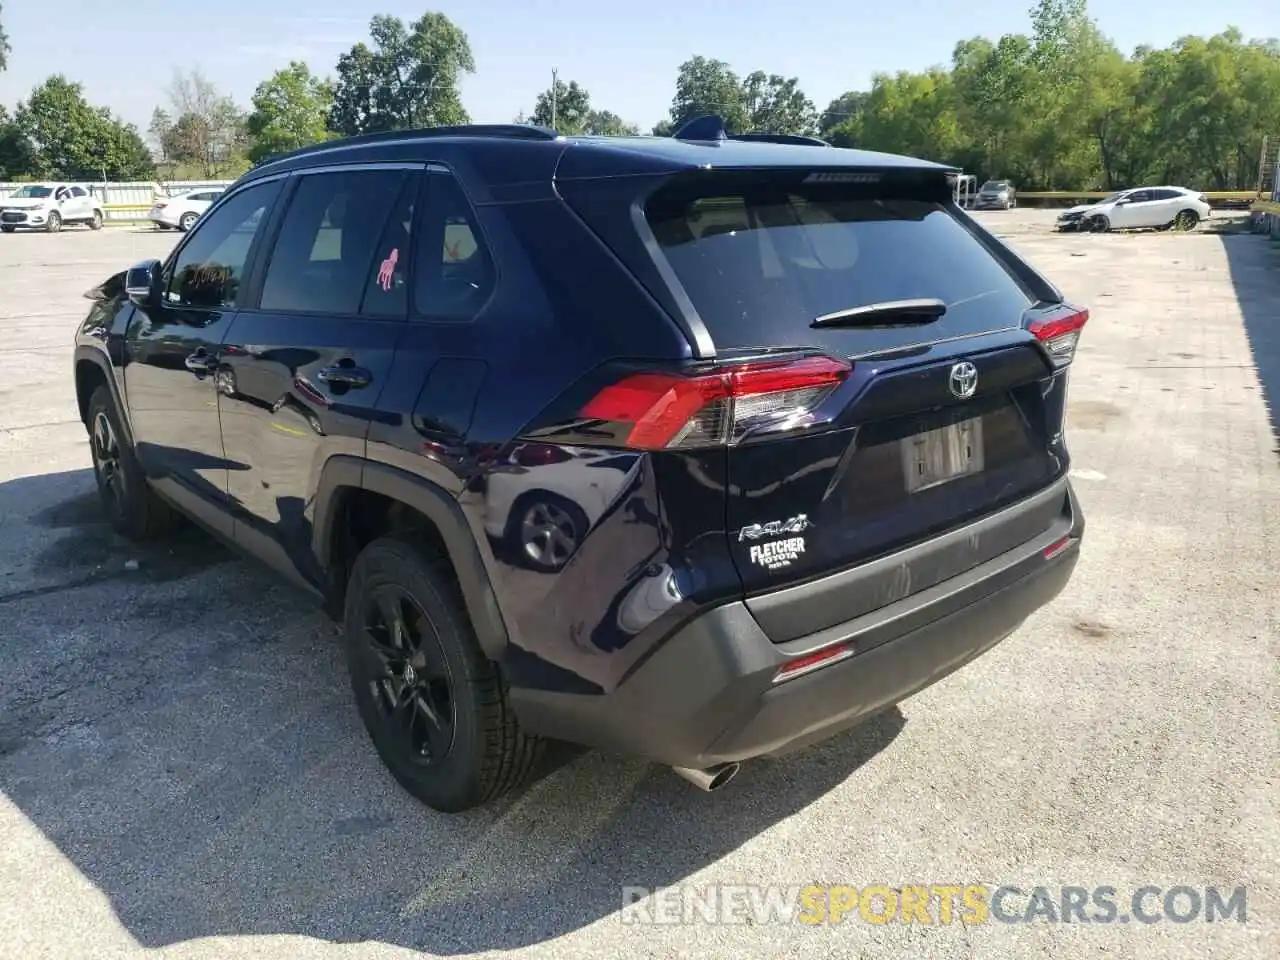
(1158, 208)
(183, 210)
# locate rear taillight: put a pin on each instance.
(1059, 334)
(656, 411)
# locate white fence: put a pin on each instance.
(131, 201)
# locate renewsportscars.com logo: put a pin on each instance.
(934, 903)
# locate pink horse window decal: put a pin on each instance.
(388, 269)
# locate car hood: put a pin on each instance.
(23, 204)
(1082, 207)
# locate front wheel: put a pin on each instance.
(95, 222)
(131, 505)
(8, 229)
(54, 223)
(1099, 225)
(435, 707)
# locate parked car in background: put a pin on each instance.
(50, 206)
(182, 212)
(997, 195)
(740, 517)
(1159, 208)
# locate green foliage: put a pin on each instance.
(17, 152)
(1063, 109)
(569, 112)
(408, 77)
(766, 102)
(290, 110)
(69, 138)
(5, 49)
(207, 134)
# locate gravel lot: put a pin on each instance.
(181, 767)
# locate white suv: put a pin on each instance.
(48, 206)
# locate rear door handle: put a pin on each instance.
(345, 376)
(201, 362)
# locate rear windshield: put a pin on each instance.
(760, 266)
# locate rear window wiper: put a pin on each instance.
(888, 313)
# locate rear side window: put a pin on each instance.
(328, 241)
(454, 275)
(760, 264)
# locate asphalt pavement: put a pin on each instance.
(183, 774)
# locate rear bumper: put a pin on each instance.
(708, 695)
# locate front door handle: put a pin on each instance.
(201, 362)
(344, 376)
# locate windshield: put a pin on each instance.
(1114, 197)
(31, 191)
(995, 185)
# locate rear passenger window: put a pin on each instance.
(387, 293)
(454, 274)
(328, 242)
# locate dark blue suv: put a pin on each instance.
(700, 448)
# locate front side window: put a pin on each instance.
(78, 192)
(209, 268)
(329, 241)
(455, 274)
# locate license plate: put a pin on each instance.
(942, 455)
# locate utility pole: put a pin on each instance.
(554, 83)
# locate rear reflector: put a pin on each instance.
(1060, 334)
(1054, 549)
(667, 410)
(813, 661)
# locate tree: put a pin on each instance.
(208, 131)
(408, 77)
(603, 123)
(706, 86)
(776, 104)
(564, 107)
(17, 152)
(290, 110)
(70, 138)
(5, 49)
(572, 113)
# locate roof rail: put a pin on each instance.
(513, 131)
(712, 127)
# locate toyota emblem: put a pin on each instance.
(964, 380)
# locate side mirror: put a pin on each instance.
(140, 282)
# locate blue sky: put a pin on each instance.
(125, 51)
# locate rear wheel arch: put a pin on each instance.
(359, 500)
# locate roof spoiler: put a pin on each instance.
(712, 127)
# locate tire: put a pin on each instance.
(133, 508)
(1099, 225)
(560, 523)
(8, 229)
(54, 223)
(457, 745)
(1186, 220)
(187, 221)
(95, 222)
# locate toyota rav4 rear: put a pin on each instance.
(861, 464)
